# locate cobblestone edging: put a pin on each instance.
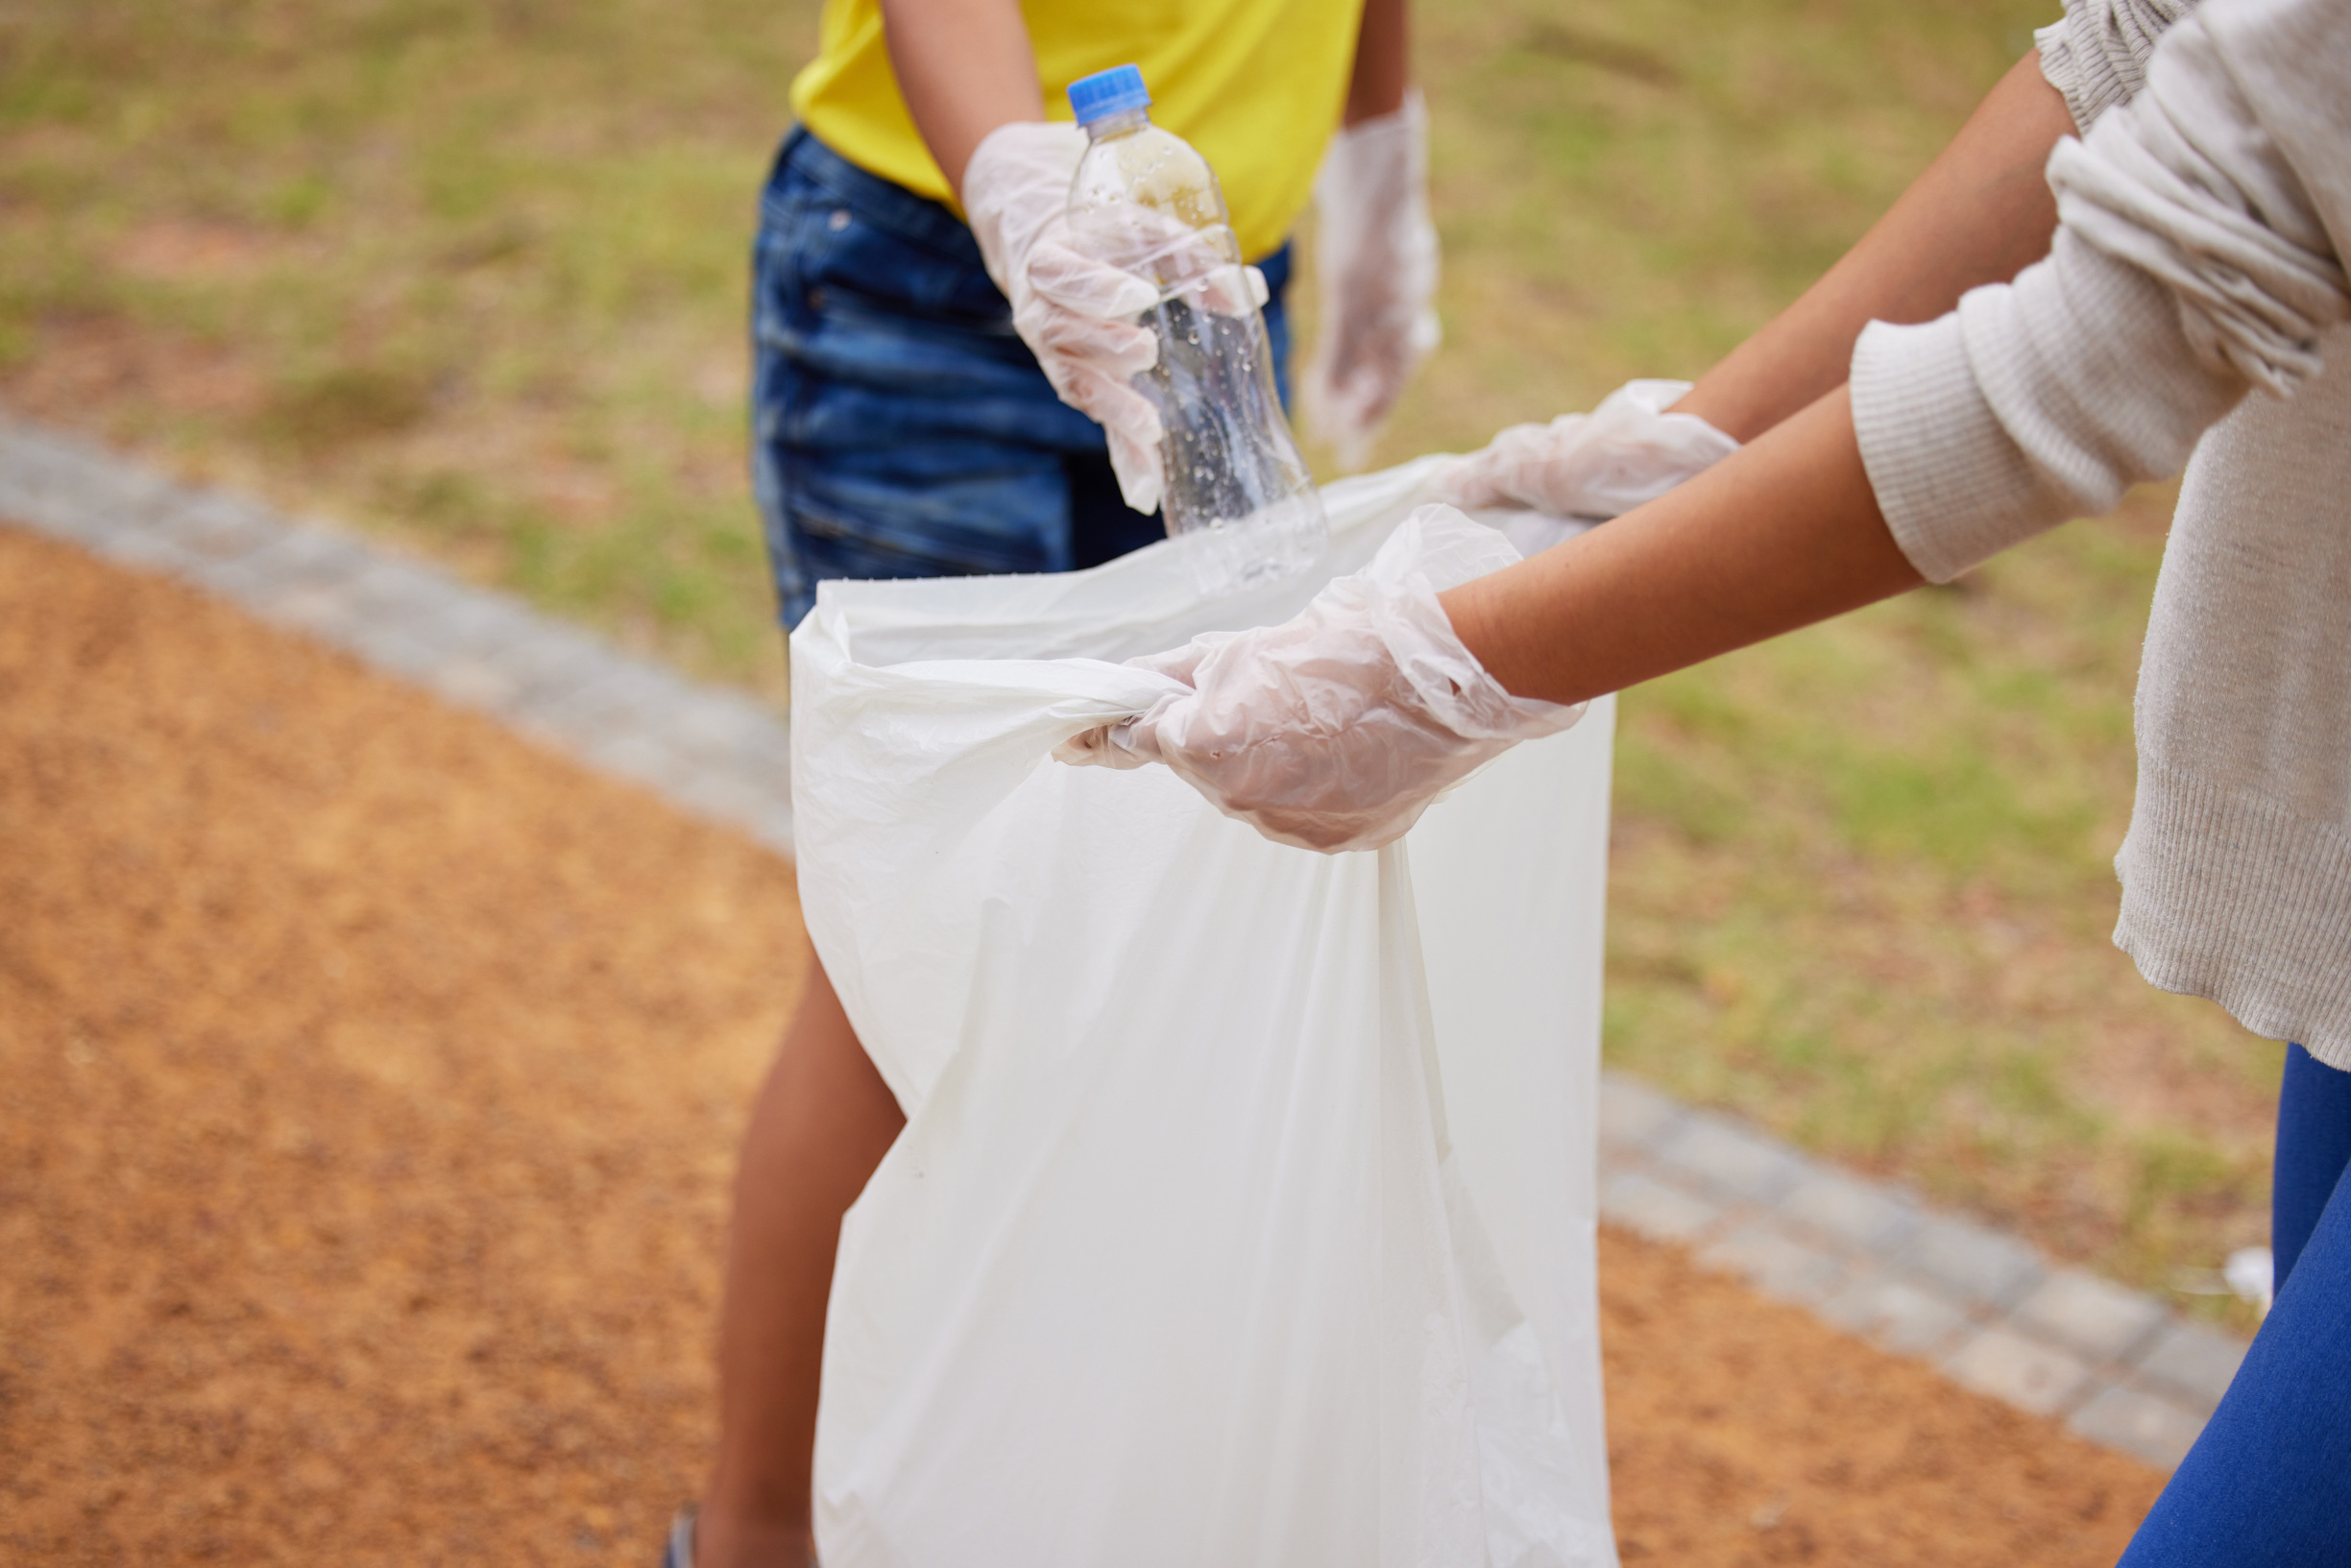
(719, 753)
(2119, 1366)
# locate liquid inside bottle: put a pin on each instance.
(1237, 493)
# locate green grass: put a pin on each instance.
(472, 277)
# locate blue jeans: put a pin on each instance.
(2269, 1484)
(900, 428)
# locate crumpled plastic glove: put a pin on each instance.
(1375, 267)
(1603, 464)
(1076, 297)
(1336, 729)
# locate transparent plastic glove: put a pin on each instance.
(1336, 729)
(1597, 465)
(1375, 265)
(1076, 310)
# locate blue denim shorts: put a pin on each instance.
(899, 426)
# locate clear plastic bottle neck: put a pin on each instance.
(1117, 125)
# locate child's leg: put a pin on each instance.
(2269, 1484)
(2314, 1144)
(821, 1124)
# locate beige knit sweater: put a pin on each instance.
(2190, 313)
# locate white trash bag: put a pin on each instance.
(1244, 1214)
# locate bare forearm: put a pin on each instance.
(1383, 67)
(965, 67)
(1980, 213)
(1782, 534)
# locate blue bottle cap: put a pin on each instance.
(1110, 92)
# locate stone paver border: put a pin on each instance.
(720, 752)
(2120, 1367)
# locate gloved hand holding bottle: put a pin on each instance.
(1135, 300)
(1076, 311)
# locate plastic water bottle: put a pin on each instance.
(1237, 493)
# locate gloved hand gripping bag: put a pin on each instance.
(1245, 1210)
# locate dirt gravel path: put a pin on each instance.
(368, 1088)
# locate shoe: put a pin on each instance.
(680, 1553)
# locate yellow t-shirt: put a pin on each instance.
(1257, 85)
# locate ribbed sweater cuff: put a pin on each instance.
(2033, 402)
(1946, 474)
(2084, 77)
(2097, 56)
